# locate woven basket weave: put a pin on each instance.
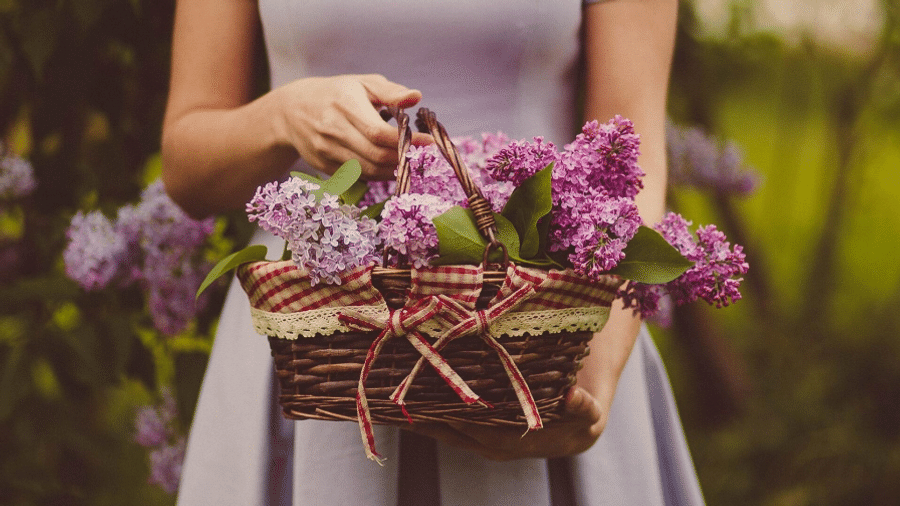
(319, 370)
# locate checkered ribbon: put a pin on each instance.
(466, 322)
(401, 322)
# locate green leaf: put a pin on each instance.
(526, 206)
(650, 259)
(343, 178)
(373, 211)
(339, 183)
(249, 254)
(356, 192)
(460, 242)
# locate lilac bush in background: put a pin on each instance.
(154, 244)
(155, 429)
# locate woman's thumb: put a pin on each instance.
(383, 92)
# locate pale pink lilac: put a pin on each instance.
(407, 229)
(379, 191)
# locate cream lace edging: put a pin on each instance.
(325, 321)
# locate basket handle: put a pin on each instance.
(426, 121)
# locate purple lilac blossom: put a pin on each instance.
(155, 430)
(594, 228)
(325, 238)
(697, 159)
(165, 466)
(170, 244)
(16, 176)
(593, 186)
(601, 156)
(406, 228)
(431, 174)
(713, 278)
(520, 160)
(96, 251)
(151, 429)
(379, 191)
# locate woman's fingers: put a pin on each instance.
(382, 92)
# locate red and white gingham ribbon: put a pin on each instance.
(400, 322)
(467, 322)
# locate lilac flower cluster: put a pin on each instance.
(594, 183)
(155, 429)
(96, 252)
(431, 174)
(602, 156)
(520, 160)
(409, 235)
(713, 278)
(324, 236)
(698, 160)
(379, 191)
(154, 244)
(16, 176)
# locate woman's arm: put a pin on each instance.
(218, 145)
(628, 49)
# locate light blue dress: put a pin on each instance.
(501, 65)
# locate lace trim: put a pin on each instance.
(325, 321)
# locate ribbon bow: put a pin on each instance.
(401, 322)
(466, 322)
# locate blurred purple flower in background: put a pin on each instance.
(96, 252)
(16, 176)
(700, 160)
(154, 244)
(165, 466)
(155, 429)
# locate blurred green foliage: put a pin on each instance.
(789, 398)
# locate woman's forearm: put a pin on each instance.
(628, 50)
(214, 158)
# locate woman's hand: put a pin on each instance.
(329, 120)
(582, 423)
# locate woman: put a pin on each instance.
(481, 66)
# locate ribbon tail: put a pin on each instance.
(529, 407)
(443, 369)
(362, 404)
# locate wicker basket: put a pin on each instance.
(324, 371)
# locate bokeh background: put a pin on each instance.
(790, 397)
